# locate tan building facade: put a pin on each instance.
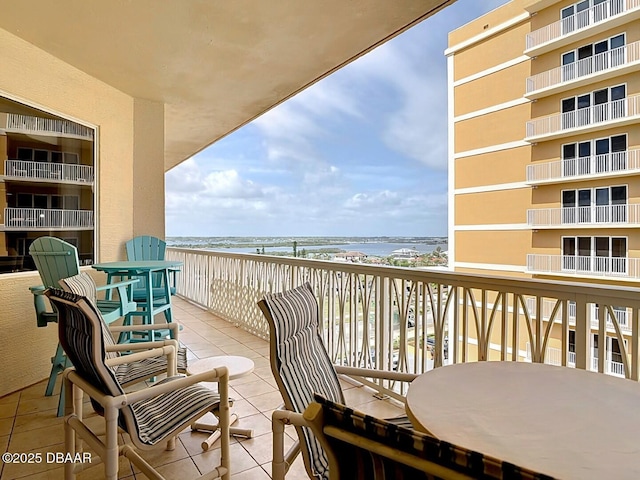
(544, 142)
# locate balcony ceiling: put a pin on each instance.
(215, 64)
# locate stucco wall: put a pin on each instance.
(36, 77)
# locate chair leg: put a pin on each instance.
(111, 451)
(63, 392)
(58, 364)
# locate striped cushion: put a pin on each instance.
(301, 364)
(358, 463)
(184, 404)
(81, 284)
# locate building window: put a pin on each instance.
(595, 254)
(587, 12)
(595, 156)
(594, 57)
(48, 184)
(599, 205)
(597, 106)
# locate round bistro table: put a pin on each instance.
(561, 421)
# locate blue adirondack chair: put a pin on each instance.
(146, 247)
(56, 259)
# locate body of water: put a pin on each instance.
(377, 249)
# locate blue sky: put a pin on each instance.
(360, 153)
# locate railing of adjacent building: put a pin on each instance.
(604, 112)
(591, 265)
(47, 126)
(622, 315)
(592, 166)
(554, 356)
(390, 317)
(40, 218)
(48, 171)
(623, 214)
(580, 21)
(601, 62)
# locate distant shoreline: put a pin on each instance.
(278, 242)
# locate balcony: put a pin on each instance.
(596, 117)
(30, 125)
(596, 19)
(618, 61)
(584, 266)
(48, 172)
(361, 306)
(615, 164)
(44, 219)
(593, 216)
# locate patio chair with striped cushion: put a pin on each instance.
(150, 416)
(359, 446)
(301, 367)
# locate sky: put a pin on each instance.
(363, 152)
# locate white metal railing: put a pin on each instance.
(39, 218)
(591, 167)
(614, 317)
(601, 62)
(391, 310)
(580, 21)
(584, 265)
(31, 124)
(624, 214)
(48, 171)
(604, 112)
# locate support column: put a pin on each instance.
(148, 168)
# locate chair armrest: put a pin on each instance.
(173, 326)
(371, 373)
(128, 347)
(43, 317)
(218, 374)
(165, 350)
(125, 292)
(124, 283)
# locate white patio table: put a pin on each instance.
(560, 421)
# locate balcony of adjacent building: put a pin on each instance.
(579, 21)
(46, 127)
(612, 62)
(603, 165)
(586, 113)
(584, 266)
(592, 216)
(46, 219)
(47, 172)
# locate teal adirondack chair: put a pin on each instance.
(146, 247)
(56, 259)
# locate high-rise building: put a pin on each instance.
(46, 184)
(544, 145)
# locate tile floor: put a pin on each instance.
(28, 421)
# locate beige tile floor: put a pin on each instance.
(28, 421)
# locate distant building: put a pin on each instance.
(350, 257)
(405, 254)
